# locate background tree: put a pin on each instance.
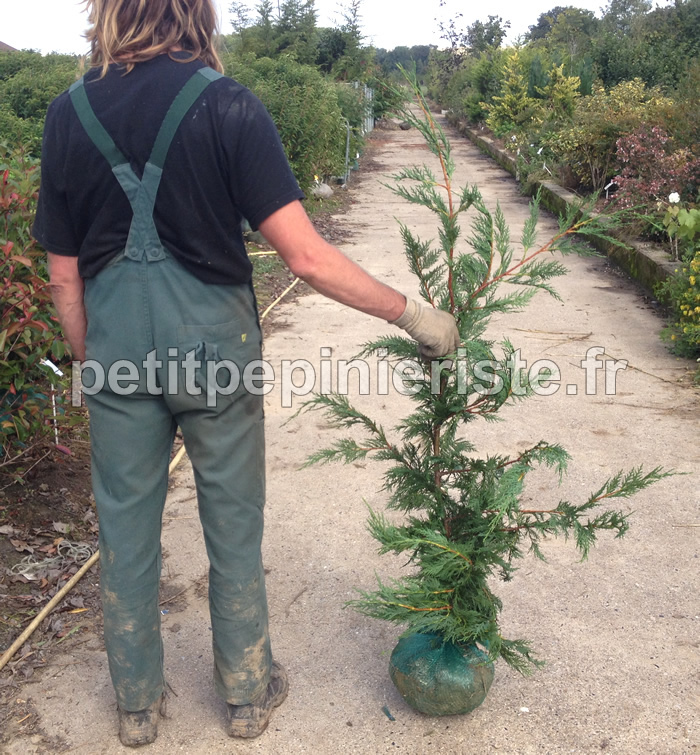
(406, 57)
(481, 41)
(296, 30)
(560, 95)
(241, 23)
(625, 17)
(513, 111)
(331, 48)
(482, 36)
(355, 58)
(263, 32)
(572, 33)
(621, 37)
(545, 22)
(536, 76)
(240, 16)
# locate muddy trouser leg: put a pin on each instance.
(228, 460)
(131, 437)
(224, 436)
(130, 477)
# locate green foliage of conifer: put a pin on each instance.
(463, 522)
(513, 110)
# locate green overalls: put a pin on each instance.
(146, 315)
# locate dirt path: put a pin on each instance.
(620, 633)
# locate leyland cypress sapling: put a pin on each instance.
(463, 519)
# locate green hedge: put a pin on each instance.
(306, 110)
(28, 83)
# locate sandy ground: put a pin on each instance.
(620, 633)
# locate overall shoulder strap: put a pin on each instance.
(181, 104)
(187, 96)
(143, 239)
(95, 130)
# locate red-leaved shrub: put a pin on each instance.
(651, 169)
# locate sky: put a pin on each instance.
(57, 25)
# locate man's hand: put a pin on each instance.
(434, 329)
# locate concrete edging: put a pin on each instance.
(647, 263)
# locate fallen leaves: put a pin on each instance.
(22, 546)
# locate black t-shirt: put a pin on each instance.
(226, 162)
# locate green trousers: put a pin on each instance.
(145, 318)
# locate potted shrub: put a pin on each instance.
(463, 520)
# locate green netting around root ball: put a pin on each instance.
(440, 678)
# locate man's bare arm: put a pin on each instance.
(67, 292)
(325, 268)
(330, 272)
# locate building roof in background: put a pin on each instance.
(6, 48)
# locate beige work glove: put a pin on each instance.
(434, 329)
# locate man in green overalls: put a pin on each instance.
(149, 164)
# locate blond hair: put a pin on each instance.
(132, 31)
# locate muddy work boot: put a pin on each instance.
(140, 727)
(251, 720)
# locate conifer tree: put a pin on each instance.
(513, 110)
(240, 16)
(560, 94)
(296, 30)
(352, 63)
(264, 30)
(463, 520)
